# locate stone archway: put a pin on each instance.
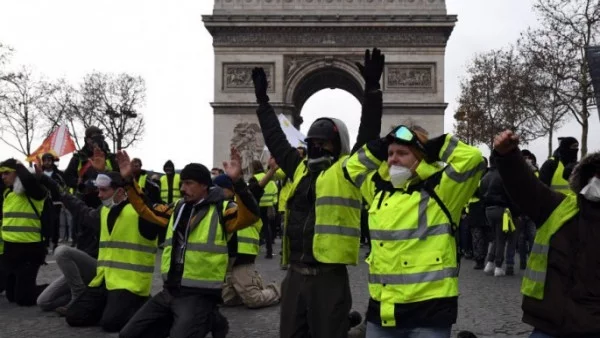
(309, 45)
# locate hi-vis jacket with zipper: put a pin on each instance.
(413, 254)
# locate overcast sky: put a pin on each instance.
(166, 43)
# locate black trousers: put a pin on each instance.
(266, 233)
(56, 226)
(315, 306)
(20, 282)
(165, 315)
(2, 275)
(111, 309)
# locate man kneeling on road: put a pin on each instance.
(125, 261)
(195, 259)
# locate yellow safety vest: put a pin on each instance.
(413, 250)
(164, 188)
(534, 279)
(508, 225)
(142, 181)
(126, 258)
(269, 198)
(558, 182)
(108, 166)
(337, 209)
(20, 223)
(285, 191)
(205, 256)
(1, 241)
(248, 239)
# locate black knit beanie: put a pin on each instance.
(196, 172)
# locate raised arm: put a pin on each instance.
(534, 198)
(370, 117)
(286, 156)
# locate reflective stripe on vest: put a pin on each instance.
(205, 257)
(20, 223)
(125, 257)
(269, 197)
(248, 239)
(164, 188)
(534, 279)
(338, 206)
(558, 182)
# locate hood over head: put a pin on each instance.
(169, 164)
(568, 149)
(344, 136)
(584, 171)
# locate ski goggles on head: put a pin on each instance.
(403, 135)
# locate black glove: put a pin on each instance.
(260, 85)
(372, 69)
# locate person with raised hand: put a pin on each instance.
(322, 230)
(561, 285)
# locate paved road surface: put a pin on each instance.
(488, 306)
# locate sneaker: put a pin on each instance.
(499, 272)
(478, 265)
(510, 271)
(489, 268)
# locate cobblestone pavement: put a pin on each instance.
(488, 306)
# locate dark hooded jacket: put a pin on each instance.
(492, 188)
(301, 203)
(571, 304)
(567, 156)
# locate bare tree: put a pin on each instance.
(547, 64)
(493, 98)
(114, 101)
(21, 109)
(574, 25)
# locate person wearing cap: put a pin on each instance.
(195, 257)
(561, 286)
(23, 232)
(50, 169)
(322, 227)
(127, 251)
(556, 170)
(80, 173)
(415, 203)
(243, 284)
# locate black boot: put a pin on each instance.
(219, 324)
(479, 265)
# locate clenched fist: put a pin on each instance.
(505, 142)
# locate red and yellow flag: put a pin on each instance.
(59, 143)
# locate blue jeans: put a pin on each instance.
(376, 331)
(539, 334)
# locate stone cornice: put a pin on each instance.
(266, 20)
(335, 36)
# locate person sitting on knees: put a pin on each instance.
(126, 259)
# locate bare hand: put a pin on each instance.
(505, 142)
(273, 164)
(233, 168)
(124, 164)
(98, 159)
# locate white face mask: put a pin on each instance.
(591, 192)
(399, 175)
(48, 173)
(18, 186)
(110, 202)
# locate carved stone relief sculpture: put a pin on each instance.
(420, 77)
(238, 76)
(248, 139)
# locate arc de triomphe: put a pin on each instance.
(309, 45)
